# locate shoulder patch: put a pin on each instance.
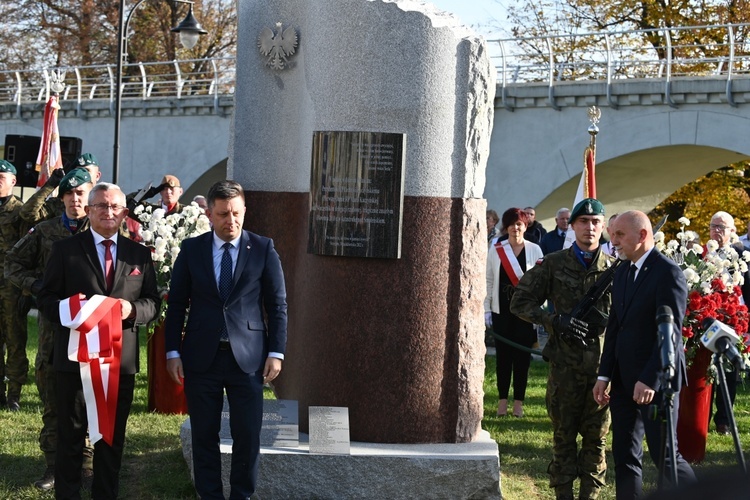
(31, 230)
(539, 261)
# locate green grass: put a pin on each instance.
(153, 466)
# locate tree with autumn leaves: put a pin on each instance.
(64, 33)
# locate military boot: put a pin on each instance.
(47, 482)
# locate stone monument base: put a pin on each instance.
(394, 471)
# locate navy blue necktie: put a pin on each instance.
(225, 283)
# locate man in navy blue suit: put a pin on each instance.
(630, 369)
(234, 339)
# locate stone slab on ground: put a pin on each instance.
(394, 471)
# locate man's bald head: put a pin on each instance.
(632, 235)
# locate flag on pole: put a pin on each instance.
(50, 156)
(587, 184)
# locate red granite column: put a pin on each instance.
(397, 341)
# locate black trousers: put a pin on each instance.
(204, 392)
(72, 424)
(630, 423)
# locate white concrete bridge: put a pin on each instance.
(665, 121)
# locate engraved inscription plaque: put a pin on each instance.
(329, 430)
(356, 194)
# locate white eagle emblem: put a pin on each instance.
(277, 47)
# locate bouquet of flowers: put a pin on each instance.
(714, 278)
(164, 234)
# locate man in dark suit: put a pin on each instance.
(631, 363)
(97, 261)
(554, 240)
(234, 339)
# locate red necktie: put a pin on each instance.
(109, 272)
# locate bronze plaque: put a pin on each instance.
(356, 194)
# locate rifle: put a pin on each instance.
(596, 292)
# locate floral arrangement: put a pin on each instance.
(164, 234)
(714, 279)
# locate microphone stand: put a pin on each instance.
(721, 381)
(668, 469)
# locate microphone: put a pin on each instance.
(665, 326)
(721, 338)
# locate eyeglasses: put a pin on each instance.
(103, 207)
(717, 227)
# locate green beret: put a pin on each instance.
(73, 179)
(6, 166)
(588, 206)
(86, 159)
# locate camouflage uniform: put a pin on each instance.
(24, 266)
(40, 206)
(14, 363)
(562, 279)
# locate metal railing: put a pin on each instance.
(176, 79)
(665, 54)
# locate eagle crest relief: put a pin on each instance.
(277, 47)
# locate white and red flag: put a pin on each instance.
(96, 345)
(50, 155)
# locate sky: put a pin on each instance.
(478, 14)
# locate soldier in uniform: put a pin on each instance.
(24, 267)
(42, 205)
(13, 361)
(573, 349)
(170, 191)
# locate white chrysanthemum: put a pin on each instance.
(680, 236)
(691, 276)
(712, 246)
(705, 288)
(743, 266)
(673, 244)
(164, 269)
(660, 246)
(697, 249)
(684, 221)
(658, 236)
(148, 236)
(157, 214)
(138, 210)
(173, 252)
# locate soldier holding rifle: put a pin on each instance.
(576, 280)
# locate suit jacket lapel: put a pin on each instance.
(242, 257)
(643, 273)
(207, 259)
(120, 265)
(89, 250)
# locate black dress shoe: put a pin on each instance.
(722, 429)
(47, 482)
(13, 404)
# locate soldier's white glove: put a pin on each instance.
(488, 319)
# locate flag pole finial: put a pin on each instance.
(595, 114)
(58, 81)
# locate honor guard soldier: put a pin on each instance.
(13, 361)
(24, 267)
(42, 205)
(576, 281)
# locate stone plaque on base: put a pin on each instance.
(280, 424)
(329, 430)
(356, 194)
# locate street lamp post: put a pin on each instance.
(189, 30)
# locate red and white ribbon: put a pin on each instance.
(96, 344)
(509, 261)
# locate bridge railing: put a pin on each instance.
(176, 79)
(665, 53)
